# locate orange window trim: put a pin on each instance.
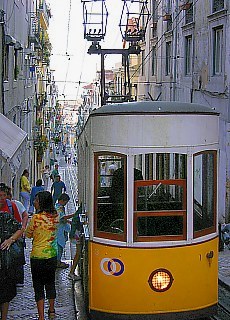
(102, 234)
(179, 182)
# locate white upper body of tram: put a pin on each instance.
(162, 140)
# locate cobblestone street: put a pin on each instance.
(23, 306)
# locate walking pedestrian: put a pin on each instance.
(9, 233)
(75, 161)
(46, 176)
(63, 227)
(66, 157)
(69, 158)
(6, 205)
(24, 219)
(43, 257)
(21, 209)
(75, 236)
(37, 188)
(57, 188)
(25, 189)
(103, 174)
(54, 172)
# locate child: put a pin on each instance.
(63, 228)
(76, 238)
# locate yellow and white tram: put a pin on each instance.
(148, 180)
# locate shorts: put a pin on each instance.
(43, 276)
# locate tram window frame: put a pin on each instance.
(109, 156)
(210, 229)
(161, 213)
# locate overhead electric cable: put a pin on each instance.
(67, 44)
(68, 26)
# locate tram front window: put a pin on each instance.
(110, 197)
(204, 204)
(160, 208)
(160, 199)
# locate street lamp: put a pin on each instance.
(95, 17)
(134, 20)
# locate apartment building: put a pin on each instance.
(24, 67)
(186, 57)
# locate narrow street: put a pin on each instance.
(69, 294)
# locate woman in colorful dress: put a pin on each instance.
(43, 258)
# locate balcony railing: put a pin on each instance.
(45, 11)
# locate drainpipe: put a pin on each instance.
(2, 108)
(175, 25)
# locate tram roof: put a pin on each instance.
(153, 107)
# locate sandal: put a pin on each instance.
(62, 265)
(51, 314)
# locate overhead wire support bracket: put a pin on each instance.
(134, 22)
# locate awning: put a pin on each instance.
(11, 142)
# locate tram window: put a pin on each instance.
(159, 197)
(171, 166)
(162, 166)
(160, 226)
(110, 195)
(160, 200)
(204, 202)
(160, 210)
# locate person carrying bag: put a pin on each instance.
(11, 249)
(14, 255)
(11, 259)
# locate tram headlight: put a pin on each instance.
(160, 280)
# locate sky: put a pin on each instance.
(69, 58)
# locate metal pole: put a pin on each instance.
(125, 73)
(102, 79)
(175, 25)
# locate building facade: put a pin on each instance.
(185, 57)
(24, 66)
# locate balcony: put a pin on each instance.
(41, 144)
(185, 6)
(167, 17)
(45, 14)
(34, 30)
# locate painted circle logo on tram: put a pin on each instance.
(112, 266)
